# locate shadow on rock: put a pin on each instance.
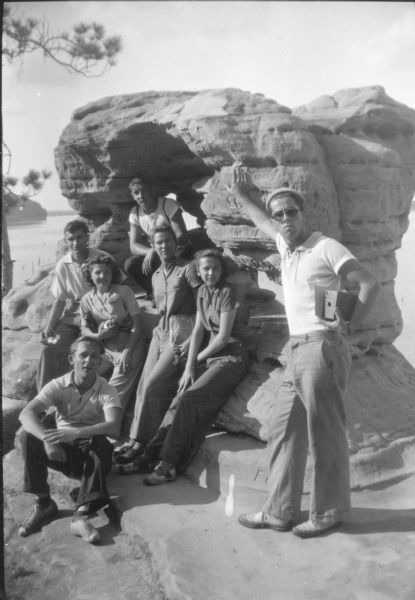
(380, 520)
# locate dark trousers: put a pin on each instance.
(192, 412)
(54, 360)
(133, 266)
(89, 459)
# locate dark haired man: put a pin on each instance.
(310, 409)
(87, 410)
(151, 210)
(68, 286)
(174, 284)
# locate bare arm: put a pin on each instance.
(30, 419)
(226, 322)
(87, 332)
(54, 316)
(241, 183)
(110, 427)
(137, 247)
(196, 339)
(102, 333)
(354, 272)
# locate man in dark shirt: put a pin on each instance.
(174, 284)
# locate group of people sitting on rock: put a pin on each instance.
(194, 360)
(196, 357)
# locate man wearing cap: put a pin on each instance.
(310, 411)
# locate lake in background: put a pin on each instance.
(34, 244)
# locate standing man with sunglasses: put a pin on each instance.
(310, 411)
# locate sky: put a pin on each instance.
(291, 52)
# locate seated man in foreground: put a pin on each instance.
(87, 410)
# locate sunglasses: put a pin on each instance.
(290, 213)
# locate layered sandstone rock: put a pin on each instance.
(353, 168)
(351, 154)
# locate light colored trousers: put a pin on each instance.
(310, 415)
(157, 387)
(124, 383)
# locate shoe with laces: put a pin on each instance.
(130, 454)
(262, 520)
(161, 474)
(140, 465)
(38, 517)
(119, 450)
(83, 528)
(310, 528)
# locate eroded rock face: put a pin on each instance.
(352, 155)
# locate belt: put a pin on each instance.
(325, 334)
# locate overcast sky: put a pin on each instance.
(292, 52)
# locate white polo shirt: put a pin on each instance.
(316, 262)
(74, 409)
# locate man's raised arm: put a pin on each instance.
(241, 182)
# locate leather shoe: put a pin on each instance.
(38, 517)
(130, 454)
(262, 520)
(160, 475)
(310, 529)
(142, 464)
(83, 528)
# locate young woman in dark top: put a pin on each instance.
(212, 371)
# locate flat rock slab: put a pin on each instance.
(183, 542)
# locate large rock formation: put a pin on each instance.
(355, 169)
(351, 154)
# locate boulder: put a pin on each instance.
(354, 170)
(366, 113)
(351, 154)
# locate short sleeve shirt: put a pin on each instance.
(174, 291)
(69, 284)
(316, 262)
(117, 304)
(166, 209)
(74, 409)
(212, 303)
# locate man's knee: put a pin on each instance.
(33, 449)
(101, 447)
(132, 264)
